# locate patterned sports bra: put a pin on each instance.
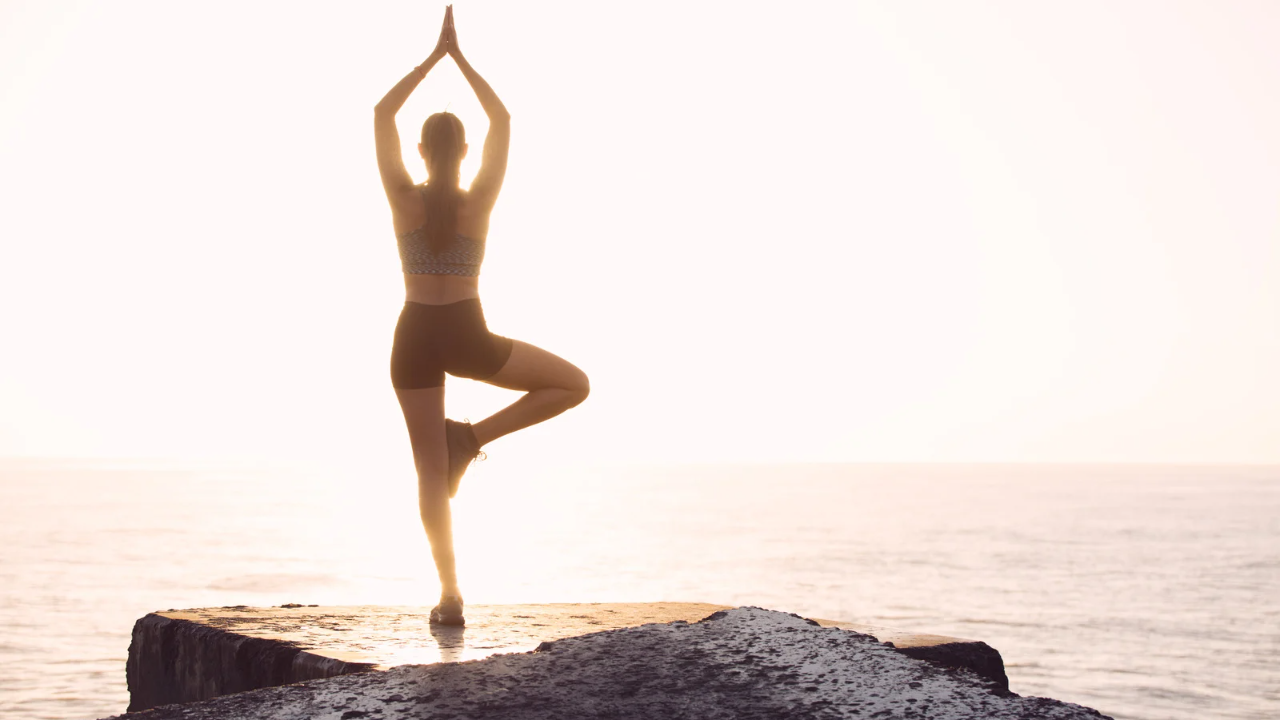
(462, 256)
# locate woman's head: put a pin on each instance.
(444, 144)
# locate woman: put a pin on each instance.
(441, 230)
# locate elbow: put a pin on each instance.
(382, 112)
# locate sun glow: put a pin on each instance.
(942, 235)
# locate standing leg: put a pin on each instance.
(552, 385)
(424, 415)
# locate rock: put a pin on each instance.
(180, 656)
(173, 659)
(744, 663)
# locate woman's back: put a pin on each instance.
(409, 213)
(437, 278)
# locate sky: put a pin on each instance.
(811, 231)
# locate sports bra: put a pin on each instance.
(461, 256)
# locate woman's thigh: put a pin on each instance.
(531, 368)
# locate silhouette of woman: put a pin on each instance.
(441, 231)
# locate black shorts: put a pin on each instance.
(432, 340)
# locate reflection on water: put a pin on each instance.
(451, 641)
(1106, 586)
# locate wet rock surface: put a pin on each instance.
(187, 655)
(740, 663)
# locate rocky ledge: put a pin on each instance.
(739, 663)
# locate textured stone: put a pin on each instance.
(743, 663)
(186, 655)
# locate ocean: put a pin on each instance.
(1147, 592)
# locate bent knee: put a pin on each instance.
(580, 388)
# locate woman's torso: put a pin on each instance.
(428, 289)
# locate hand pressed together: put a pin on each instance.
(447, 44)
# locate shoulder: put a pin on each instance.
(409, 196)
(472, 202)
(407, 209)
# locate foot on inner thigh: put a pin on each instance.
(463, 449)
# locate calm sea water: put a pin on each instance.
(1143, 591)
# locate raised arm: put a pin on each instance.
(493, 163)
(395, 179)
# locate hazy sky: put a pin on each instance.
(919, 231)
